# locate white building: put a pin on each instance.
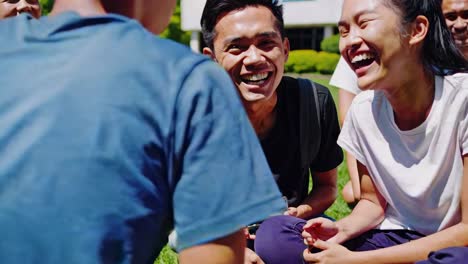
(307, 22)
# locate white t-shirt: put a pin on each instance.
(419, 172)
(344, 78)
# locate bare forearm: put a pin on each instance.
(364, 217)
(318, 201)
(226, 250)
(322, 196)
(453, 236)
(353, 175)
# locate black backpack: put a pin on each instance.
(308, 102)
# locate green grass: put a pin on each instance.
(338, 210)
(167, 256)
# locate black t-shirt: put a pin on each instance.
(281, 146)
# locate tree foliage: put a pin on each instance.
(174, 31)
(46, 6)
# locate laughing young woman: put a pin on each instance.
(409, 133)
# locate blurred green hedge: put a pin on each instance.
(302, 61)
(331, 44)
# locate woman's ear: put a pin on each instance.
(419, 30)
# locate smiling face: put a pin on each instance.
(372, 42)
(10, 8)
(250, 48)
(456, 17)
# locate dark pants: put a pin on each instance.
(279, 240)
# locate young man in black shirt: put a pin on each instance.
(247, 39)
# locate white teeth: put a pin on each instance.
(255, 77)
(361, 57)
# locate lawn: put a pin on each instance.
(338, 210)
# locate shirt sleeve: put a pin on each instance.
(225, 182)
(330, 154)
(344, 78)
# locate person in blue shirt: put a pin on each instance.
(112, 136)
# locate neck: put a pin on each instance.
(412, 100)
(82, 7)
(262, 115)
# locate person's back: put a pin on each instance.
(106, 133)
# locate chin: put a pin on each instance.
(365, 84)
(373, 80)
(253, 98)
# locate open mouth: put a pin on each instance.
(255, 79)
(363, 60)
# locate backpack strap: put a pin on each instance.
(308, 104)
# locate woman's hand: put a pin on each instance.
(331, 253)
(319, 229)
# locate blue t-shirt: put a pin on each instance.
(111, 136)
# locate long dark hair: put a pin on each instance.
(440, 54)
(214, 8)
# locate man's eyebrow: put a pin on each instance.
(231, 40)
(266, 34)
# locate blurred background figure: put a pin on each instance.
(10, 8)
(456, 17)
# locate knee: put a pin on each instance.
(452, 255)
(279, 240)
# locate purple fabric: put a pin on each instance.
(375, 239)
(279, 240)
(452, 255)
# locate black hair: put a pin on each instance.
(215, 8)
(440, 54)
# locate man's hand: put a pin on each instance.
(248, 235)
(251, 257)
(292, 211)
(331, 253)
(319, 229)
(301, 211)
